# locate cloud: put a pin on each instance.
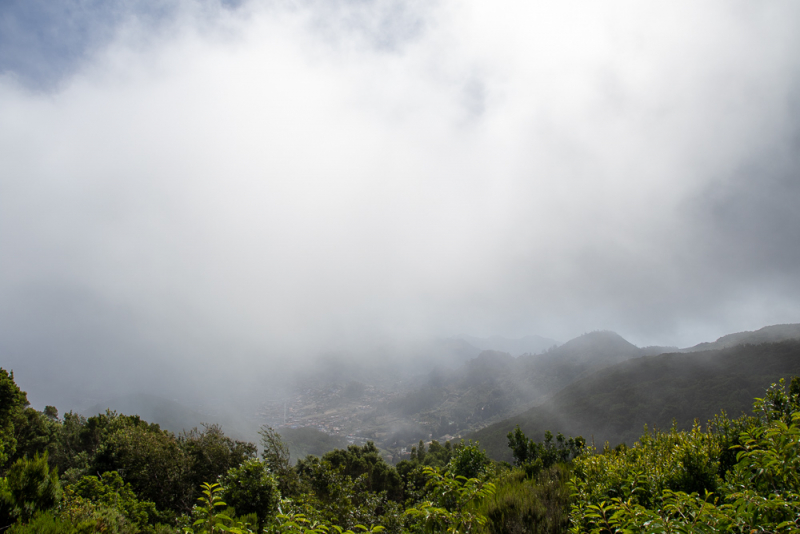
(282, 178)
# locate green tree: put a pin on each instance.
(252, 489)
(778, 404)
(275, 453)
(151, 460)
(437, 455)
(30, 486)
(469, 461)
(338, 499)
(111, 491)
(533, 456)
(35, 433)
(12, 401)
(210, 453)
(71, 453)
(366, 461)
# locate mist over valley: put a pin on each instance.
(357, 250)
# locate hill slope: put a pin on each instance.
(615, 403)
(495, 385)
(768, 334)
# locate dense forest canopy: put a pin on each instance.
(118, 473)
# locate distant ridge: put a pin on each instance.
(495, 385)
(768, 334)
(595, 347)
(515, 347)
(614, 403)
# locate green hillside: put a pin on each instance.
(768, 334)
(496, 385)
(615, 403)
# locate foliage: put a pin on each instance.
(669, 482)
(448, 506)
(252, 489)
(531, 505)
(777, 404)
(468, 460)
(12, 401)
(274, 450)
(210, 519)
(299, 523)
(88, 516)
(44, 523)
(151, 460)
(534, 456)
(306, 440)
(124, 476)
(209, 454)
(111, 491)
(29, 487)
(275, 453)
(72, 450)
(34, 433)
(366, 461)
(437, 455)
(339, 499)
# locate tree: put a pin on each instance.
(534, 456)
(111, 491)
(12, 401)
(151, 460)
(30, 486)
(468, 461)
(70, 452)
(275, 453)
(366, 460)
(252, 489)
(34, 433)
(274, 450)
(210, 453)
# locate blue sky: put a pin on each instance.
(43, 43)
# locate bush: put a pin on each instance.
(524, 505)
(251, 489)
(671, 481)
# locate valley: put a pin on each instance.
(597, 385)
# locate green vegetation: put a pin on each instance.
(678, 481)
(115, 473)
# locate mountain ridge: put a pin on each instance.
(614, 403)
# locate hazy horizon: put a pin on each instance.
(201, 190)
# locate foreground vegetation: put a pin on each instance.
(115, 473)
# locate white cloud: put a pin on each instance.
(292, 176)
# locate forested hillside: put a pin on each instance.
(616, 402)
(118, 474)
(496, 385)
(768, 334)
